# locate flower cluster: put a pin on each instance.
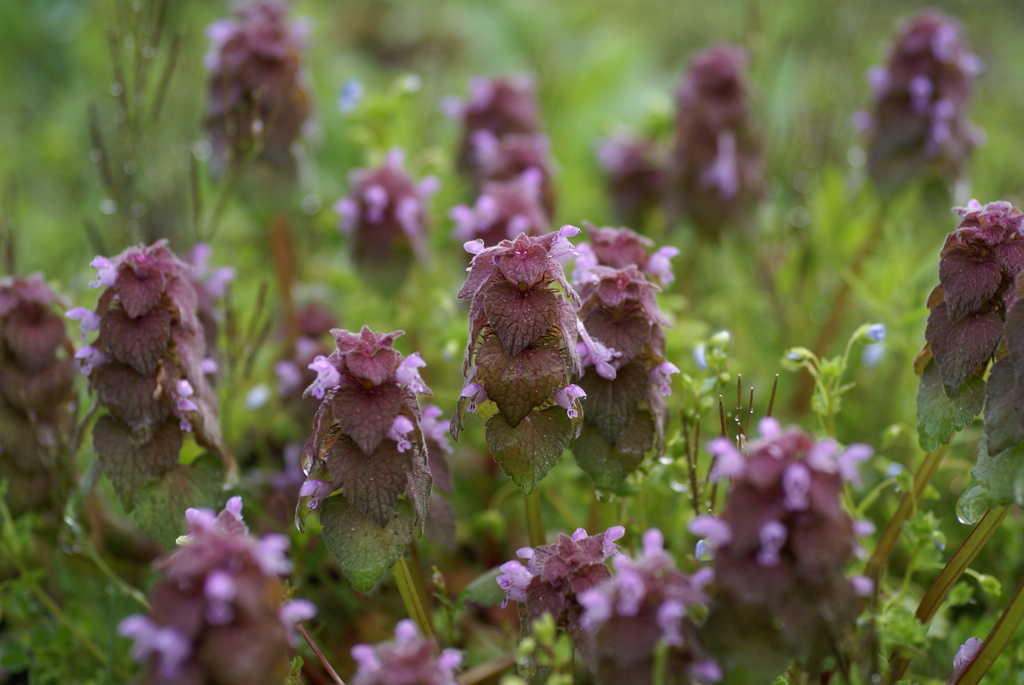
(385, 217)
(621, 247)
(36, 375)
(256, 98)
(367, 438)
(636, 175)
(502, 211)
(919, 120)
(409, 659)
(622, 347)
(499, 106)
(554, 575)
(147, 366)
(782, 543)
(218, 614)
(502, 143)
(522, 350)
(645, 602)
(716, 170)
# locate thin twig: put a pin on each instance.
(319, 654)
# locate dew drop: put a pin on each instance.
(108, 207)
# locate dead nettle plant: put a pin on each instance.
(622, 349)
(366, 461)
(716, 163)
(521, 356)
(37, 370)
(148, 367)
(918, 125)
(386, 219)
(502, 211)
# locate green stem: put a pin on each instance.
(996, 641)
(534, 519)
(415, 605)
(949, 575)
(907, 505)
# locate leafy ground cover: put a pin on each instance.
(785, 405)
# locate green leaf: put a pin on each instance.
(611, 404)
(364, 550)
(938, 415)
(609, 464)
(484, 590)
(528, 451)
(996, 480)
(160, 503)
(1004, 407)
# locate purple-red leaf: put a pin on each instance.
(520, 383)
(131, 397)
(140, 290)
(524, 263)
(130, 458)
(33, 335)
(374, 369)
(366, 414)
(1013, 331)
(374, 482)
(519, 316)
(626, 332)
(961, 349)
(139, 342)
(970, 279)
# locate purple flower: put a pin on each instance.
(88, 321)
(660, 376)
(400, 428)
(407, 374)
(967, 653)
(409, 659)
(188, 631)
(502, 211)
(476, 393)
(327, 377)
(566, 398)
(316, 490)
(593, 353)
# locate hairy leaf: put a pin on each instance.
(366, 414)
(160, 503)
(961, 348)
(610, 404)
(130, 459)
(139, 291)
(970, 280)
(372, 483)
(527, 451)
(33, 335)
(140, 342)
(131, 397)
(43, 392)
(524, 263)
(520, 383)
(626, 332)
(1013, 332)
(1004, 407)
(938, 414)
(996, 480)
(364, 550)
(609, 464)
(374, 369)
(519, 316)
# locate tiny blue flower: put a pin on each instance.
(876, 333)
(349, 96)
(698, 356)
(873, 354)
